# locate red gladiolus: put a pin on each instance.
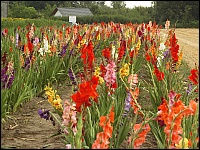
(87, 91)
(160, 75)
(30, 46)
(103, 70)
(106, 53)
(6, 30)
(88, 54)
(194, 76)
(121, 49)
(147, 57)
(174, 48)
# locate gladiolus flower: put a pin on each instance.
(53, 98)
(69, 117)
(97, 73)
(102, 138)
(148, 57)
(183, 143)
(87, 54)
(127, 102)
(189, 89)
(159, 74)
(110, 76)
(194, 76)
(72, 76)
(141, 135)
(133, 80)
(106, 53)
(124, 71)
(121, 50)
(87, 91)
(173, 115)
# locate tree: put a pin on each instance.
(47, 11)
(118, 4)
(21, 11)
(181, 11)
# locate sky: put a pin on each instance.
(132, 4)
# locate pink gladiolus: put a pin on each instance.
(110, 76)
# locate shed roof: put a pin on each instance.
(73, 11)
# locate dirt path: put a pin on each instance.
(33, 132)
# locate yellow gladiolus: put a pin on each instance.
(124, 71)
(183, 143)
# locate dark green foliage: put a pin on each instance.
(186, 13)
(38, 23)
(21, 11)
(182, 14)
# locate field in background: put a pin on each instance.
(188, 40)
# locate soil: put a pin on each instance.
(26, 130)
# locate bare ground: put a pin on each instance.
(28, 131)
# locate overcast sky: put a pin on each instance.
(132, 4)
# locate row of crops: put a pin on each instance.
(103, 62)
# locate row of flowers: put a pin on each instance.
(104, 62)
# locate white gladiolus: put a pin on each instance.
(113, 51)
(162, 46)
(44, 49)
(114, 54)
(46, 46)
(97, 28)
(41, 51)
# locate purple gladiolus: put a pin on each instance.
(27, 62)
(44, 114)
(127, 102)
(72, 76)
(7, 79)
(17, 39)
(63, 52)
(166, 54)
(189, 89)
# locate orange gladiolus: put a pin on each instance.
(108, 129)
(102, 121)
(112, 115)
(135, 93)
(53, 48)
(11, 49)
(140, 139)
(173, 115)
(102, 138)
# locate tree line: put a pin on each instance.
(184, 13)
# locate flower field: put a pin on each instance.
(104, 85)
